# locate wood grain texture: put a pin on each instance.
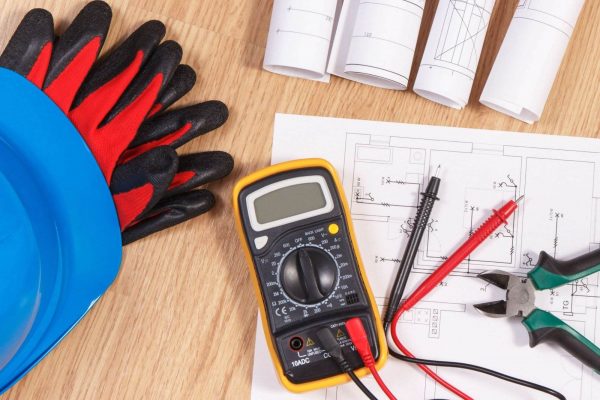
(179, 321)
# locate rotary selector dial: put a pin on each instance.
(308, 275)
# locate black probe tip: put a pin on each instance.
(434, 185)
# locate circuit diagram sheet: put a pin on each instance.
(384, 167)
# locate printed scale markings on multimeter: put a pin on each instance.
(299, 246)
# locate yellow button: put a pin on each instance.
(334, 228)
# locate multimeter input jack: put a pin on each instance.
(296, 343)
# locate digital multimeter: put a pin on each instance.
(300, 246)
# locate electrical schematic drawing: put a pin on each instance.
(385, 175)
(463, 31)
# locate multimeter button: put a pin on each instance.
(333, 229)
(260, 242)
(308, 275)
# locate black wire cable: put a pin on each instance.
(476, 368)
(361, 385)
(329, 342)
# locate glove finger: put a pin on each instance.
(175, 128)
(181, 83)
(170, 212)
(109, 142)
(146, 86)
(199, 169)
(139, 184)
(75, 52)
(111, 75)
(30, 47)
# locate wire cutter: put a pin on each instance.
(543, 326)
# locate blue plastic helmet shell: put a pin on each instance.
(60, 242)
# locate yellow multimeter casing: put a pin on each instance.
(295, 227)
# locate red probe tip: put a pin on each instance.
(504, 213)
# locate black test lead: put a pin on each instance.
(428, 199)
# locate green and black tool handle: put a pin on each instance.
(545, 327)
(551, 273)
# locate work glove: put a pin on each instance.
(119, 104)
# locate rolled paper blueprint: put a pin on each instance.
(530, 56)
(375, 41)
(299, 38)
(452, 52)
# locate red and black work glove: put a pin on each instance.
(118, 99)
(172, 129)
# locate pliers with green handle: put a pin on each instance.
(543, 326)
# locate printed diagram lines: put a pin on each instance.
(390, 181)
(528, 260)
(363, 197)
(328, 18)
(538, 6)
(409, 5)
(303, 30)
(393, 6)
(595, 229)
(360, 197)
(371, 36)
(407, 226)
(557, 217)
(545, 12)
(464, 28)
(302, 33)
(479, 198)
(509, 182)
(376, 193)
(429, 314)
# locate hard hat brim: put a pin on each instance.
(73, 239)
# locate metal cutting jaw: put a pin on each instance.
(520, 295)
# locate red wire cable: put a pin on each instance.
(358, 336)
(425, 368)
(381, 383)
(498, 218)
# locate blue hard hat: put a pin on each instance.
(60, 242)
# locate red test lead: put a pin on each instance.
(498, 218)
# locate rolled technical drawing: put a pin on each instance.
(452, 52)
(375, 41)
(530, 56)
(300, 37)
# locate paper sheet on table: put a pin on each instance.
(383, 167)
(300, 38)
(452, 52)
(375, 41)
(530, 56)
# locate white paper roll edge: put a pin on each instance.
(299, 38)
(529, 58)
(452, 52)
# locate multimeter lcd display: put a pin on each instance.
(289, 201)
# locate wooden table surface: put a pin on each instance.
(179, 321)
